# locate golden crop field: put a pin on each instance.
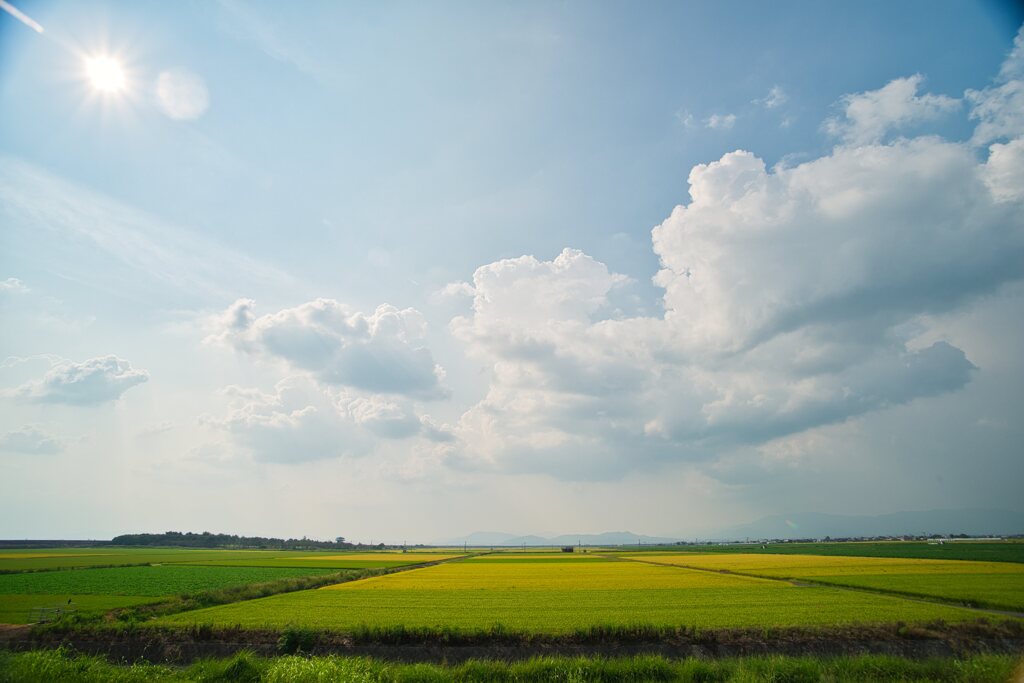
(568, 576)
(543, 595)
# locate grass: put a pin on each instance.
(997, 585)
(564, 597)
(157, 581)
(15, 609)
(51, 665)
(1002, 551)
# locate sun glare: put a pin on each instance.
(105, 74)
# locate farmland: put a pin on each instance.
(998, 585)
(547, 595)
(152, 581)
(1002, 551)
(17, 560)
(96, 580)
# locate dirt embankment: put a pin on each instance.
(180, 647)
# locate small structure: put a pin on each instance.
(568, 549)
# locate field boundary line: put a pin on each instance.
(798, 582)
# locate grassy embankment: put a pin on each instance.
(46, 666)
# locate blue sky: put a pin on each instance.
(305, 273)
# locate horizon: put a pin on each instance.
(377, 270)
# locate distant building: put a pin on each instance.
(568, 549)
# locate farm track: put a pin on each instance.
(912, 597)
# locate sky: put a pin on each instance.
(403, 271)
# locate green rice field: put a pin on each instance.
(997, 585)
(982, 551)
(152, 581)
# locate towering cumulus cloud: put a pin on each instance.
(790, 295)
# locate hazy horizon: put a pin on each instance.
(408, 270)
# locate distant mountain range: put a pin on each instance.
(489, 538)
(973, 522)
(817, 525)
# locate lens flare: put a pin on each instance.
(105, 74)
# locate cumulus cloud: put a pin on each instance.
(381, 352)
(868, 116)
(791, 297)
(13, 285)
(720, 121)
(296, 423)
(31, 439)
(775, 98)
(872, 234)
(452, 290)
(302, 420)
(91, 382)
(182, 95)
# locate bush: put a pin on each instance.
(296, 639)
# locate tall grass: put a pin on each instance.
(61, 665)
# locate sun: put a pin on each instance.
(105, 74)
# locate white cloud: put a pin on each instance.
(686, 118)
(720, 121)
(452, 290)
(302, 420)
(297, 423)
(381, 352)
(14, 286)
(32, 439)
(91, 382)
(181, 94)
(791, 297)
(1012, 67)
(775, 98)
(868, 116)
(1004, 171)
(999, 109)
(869, 234)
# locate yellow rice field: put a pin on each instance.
(549, 576)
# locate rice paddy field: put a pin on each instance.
(997, 585)
(987, 551)
(554, 593)
(96, 580)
